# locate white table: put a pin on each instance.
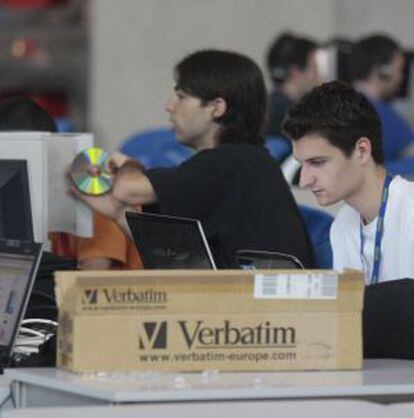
(381, 381)
(239, 409)
(4, 394)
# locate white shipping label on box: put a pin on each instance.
(296, 286)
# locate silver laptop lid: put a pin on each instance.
(169, 242)
(19, 263)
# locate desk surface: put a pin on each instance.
(379, 378)
(4, 389)
(239, 409)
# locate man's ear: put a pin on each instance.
(219, 107)
(363, 149)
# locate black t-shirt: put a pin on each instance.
(239, 194)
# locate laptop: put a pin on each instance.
(19, 262)
(256, 260)
(169, 242)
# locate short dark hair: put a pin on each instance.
(338, 113)
(371, 52)
(24, 114)
(209, 74)
(288, 50)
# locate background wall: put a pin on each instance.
(135, 44)
(358, 17)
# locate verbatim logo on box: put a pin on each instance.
(153, 335)
(90, 296)
(196, 335)
(127, 296)
(134, 296)
(264, 334)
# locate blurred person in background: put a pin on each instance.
(377, 65)
(292, 66)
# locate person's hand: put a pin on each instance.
(105, 204)
(130, 188)
(117, 160)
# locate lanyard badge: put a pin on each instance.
(378, 233)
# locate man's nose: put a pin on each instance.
(306, 178)
(169, 105)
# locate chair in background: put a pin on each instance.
(318, 224)
(159, 148)
(156, 148)
(64, 124)
(278, 146)
(404, 167)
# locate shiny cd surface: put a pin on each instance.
(90, 171)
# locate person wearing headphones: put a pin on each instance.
(377, 65)
(291, 63)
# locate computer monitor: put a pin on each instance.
(48, 156)
(169, 242)
(15, 211)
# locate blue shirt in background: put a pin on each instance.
(397, 133)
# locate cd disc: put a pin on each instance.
(90, 171)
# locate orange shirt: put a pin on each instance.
(108, 241)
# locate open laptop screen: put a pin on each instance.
(18, 267)
(168, 242)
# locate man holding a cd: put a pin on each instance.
(232, 184)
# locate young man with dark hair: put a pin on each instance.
(377, 65)
(232, 184)
(291, 63)
(336, 136)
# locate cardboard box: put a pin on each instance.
(209, 320)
